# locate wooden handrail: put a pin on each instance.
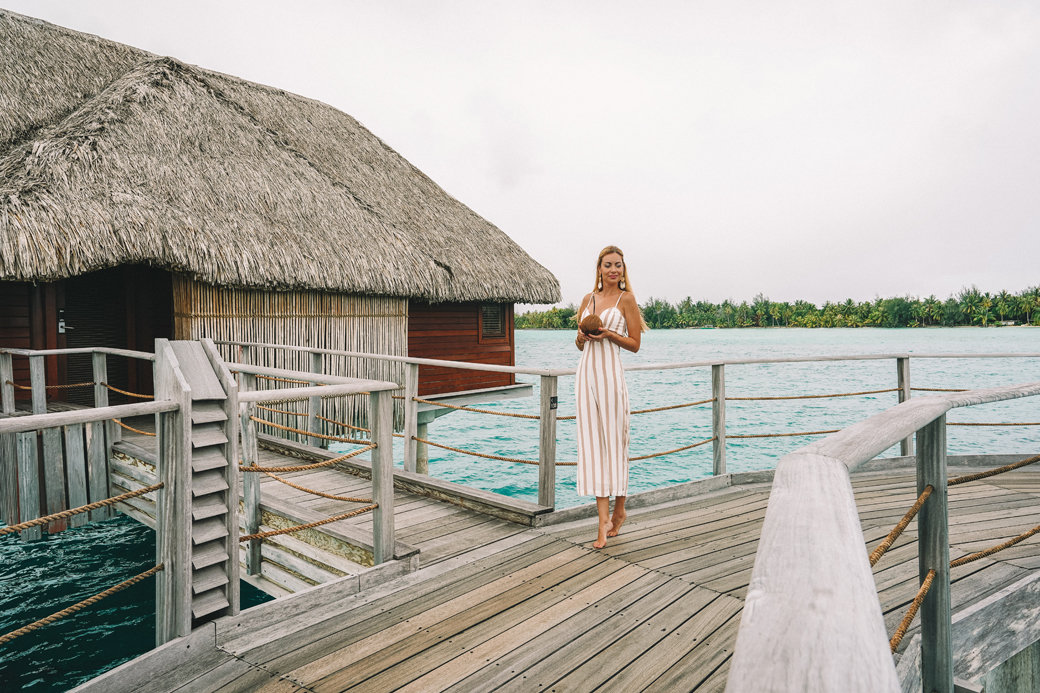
(812, 599)
(144, 355)
(34, 422)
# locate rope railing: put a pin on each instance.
(938, 389)
(669, 452)
(68, 386)
(113, 388)
(487, 456)
(305, 467)
(904, 625)
(994, 549)
(28, 524)
(992, 472)
(839, 394)
(135, 430)
(460, 407)
(991, 423)
(782, 435)
(309, 525)
(670, 406)
(80, 605)
(323, 436)
(298, 487)
(886, 544)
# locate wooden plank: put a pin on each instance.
(197, 371)
(811, 523)
(208, 434)
(379, 651)
(578, 638)
(76, 461)
(934, 554)
(718, 418)
(207, 412)
(173, 521)
(28, 485)
(505, 627)
(303, 638)
(547, 442)
(8, 446)
(381, 421)
(676, 645)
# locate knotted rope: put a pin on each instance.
(839, 394)
(886, 544)
(81, 509)
(309, 525)
(305, 467)
(992, 472)
(904, 626)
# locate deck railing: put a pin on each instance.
(549, 417)
(812, 619)
(86, 484)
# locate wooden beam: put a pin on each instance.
(381, 423)
(411, 415)
(547, 442)
(906, 446)
(934, 554)
(718, 418)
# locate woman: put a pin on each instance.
(602, 396)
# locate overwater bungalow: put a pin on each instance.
(142, 197)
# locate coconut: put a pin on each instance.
(591, 324)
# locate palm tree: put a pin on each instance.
(1002, 304)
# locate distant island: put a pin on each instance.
(969, 307)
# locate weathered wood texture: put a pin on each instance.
(499, 606)
(452, 331)
(547, 441)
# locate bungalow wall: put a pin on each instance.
(474, 332)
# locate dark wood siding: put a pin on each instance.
(452, 331)
(16, 327)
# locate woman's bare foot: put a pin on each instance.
(616, 521)
(601, 538)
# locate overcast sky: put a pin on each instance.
(808, 149)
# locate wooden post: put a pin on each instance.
(250, 480)
(173, 501)
(98, 449)
(314, 405)
(411, 415)
(381, 424)
(547, 443)
(903, 383)
(8, 446)
(76, 462)
(422, 450)
(934, 554)
(718, 418)
(28, 469)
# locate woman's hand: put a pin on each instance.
(597, 336)
(580, 340)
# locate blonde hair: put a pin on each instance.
(643, 327)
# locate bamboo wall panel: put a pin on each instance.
(348, 322)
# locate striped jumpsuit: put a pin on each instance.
(602, 412)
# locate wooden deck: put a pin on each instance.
(496, 605)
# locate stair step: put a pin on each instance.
(208, 530)
(207, 482)
(207, 458)
(208, 554)
(208, 434)
(209, 578)
(208, 603)
(207, 412)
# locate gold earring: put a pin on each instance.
(599, 284)
(621, 284)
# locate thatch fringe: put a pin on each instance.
(110, 155)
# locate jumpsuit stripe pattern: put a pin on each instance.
(602, 413)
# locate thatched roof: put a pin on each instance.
(110, 155)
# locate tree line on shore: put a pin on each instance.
(969, 307)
